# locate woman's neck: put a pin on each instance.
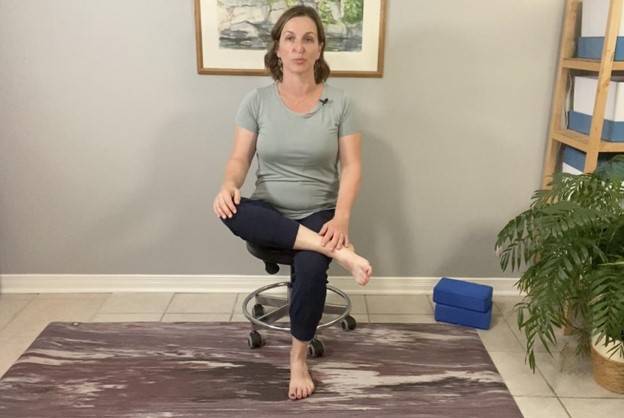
(296, 86)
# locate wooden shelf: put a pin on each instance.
(588, 65)
(580, 141)
(611, 146)
(571, 138)
(603, 68)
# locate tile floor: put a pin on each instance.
(562, 386)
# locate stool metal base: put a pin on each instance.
(282, 304)
(272, 258)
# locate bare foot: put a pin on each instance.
(301, 384)
(359, 267)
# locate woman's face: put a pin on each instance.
(299, 46)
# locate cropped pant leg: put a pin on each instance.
(258, 222)
(309, 283)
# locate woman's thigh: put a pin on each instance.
(259, 222)
(316, 221)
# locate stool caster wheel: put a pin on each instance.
(255, 340)
(348, 323)
(258, 310)
(315, 348)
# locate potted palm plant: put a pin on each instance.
(570, 246)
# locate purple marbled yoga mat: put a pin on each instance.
(191, 369)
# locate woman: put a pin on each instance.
(300, 128)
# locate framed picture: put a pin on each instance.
(232, 36)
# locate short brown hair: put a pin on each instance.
(271, 61)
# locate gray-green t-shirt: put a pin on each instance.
(297, 152)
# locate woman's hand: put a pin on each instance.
(223, 205)
(336, 232)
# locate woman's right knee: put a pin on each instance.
(243, 221)
(234, 221)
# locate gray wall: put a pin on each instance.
(112, 147)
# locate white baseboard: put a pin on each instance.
(109, 283)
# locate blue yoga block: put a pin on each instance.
(576, 159)
(612, 131)
(462, 294)
(590, 47)
(466, 317)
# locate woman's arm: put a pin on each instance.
(224, 204)
(350, 174)
(336, 231)
(240, 160)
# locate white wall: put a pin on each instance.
(112, 146)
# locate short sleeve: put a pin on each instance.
(247, 114)
(347, 125)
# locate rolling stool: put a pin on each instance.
(259, 319)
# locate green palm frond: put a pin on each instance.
(607, 298)
(562, 224)
(570, 243)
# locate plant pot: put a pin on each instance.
(608, 371)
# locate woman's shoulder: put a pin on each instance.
(336, 95)
(257, 95)
(334, 92)
(266, 89)
(263, 92)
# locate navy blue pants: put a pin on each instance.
(259, 222)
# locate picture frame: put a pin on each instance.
(234, 42)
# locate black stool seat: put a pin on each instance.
(272, 257)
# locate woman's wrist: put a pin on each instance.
(342, 214)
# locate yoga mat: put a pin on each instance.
(198, 369)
